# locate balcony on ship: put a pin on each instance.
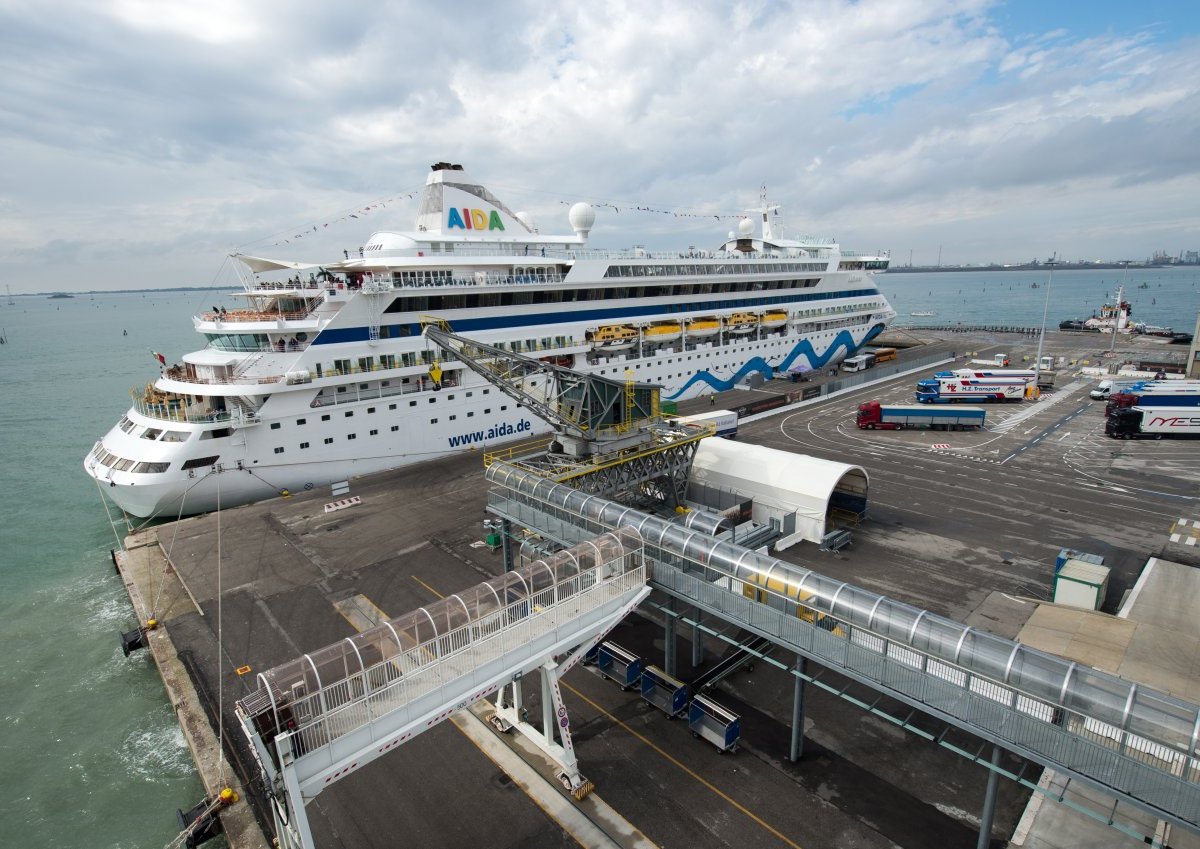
(155, 403)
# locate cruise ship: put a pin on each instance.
(319, 372)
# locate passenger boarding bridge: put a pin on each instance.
(332, 711)
(1134, 743)
(318, 718)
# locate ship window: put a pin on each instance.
(275, 425)
(278, 450)
(391, 406)
(151, 433)
(370, 409)
(150, 468)
(486, 391)
(352, 436)
(449, 397)
(329, 440)
(200, 462)
(454, 418)
(433, 421)
(303, 444)
(503, 408)
(412, 403)
(470, 414)
(374, 433)
(219, 433)
(469, 394)
(487, 412)
(175, 436)
(395, 428)
(349, 414)
(325, 417)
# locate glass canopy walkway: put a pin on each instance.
(1130, 741)
(318, 718)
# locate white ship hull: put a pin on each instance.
(337, 380)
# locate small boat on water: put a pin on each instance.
(923, 313)
(1113, 318)
(702, 326)
(613, 337)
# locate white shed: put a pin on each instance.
(805, 495)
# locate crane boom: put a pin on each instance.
(589, 413)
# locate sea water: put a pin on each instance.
(92, 753)
(1164, 297)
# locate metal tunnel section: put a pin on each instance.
(305, 707)
(1130, 740)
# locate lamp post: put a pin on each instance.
(1037, 366)
(1112, 345)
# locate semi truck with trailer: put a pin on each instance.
(945, 390)
(1176, 393)
(1111, 386)
(873, 415)
(725, 421)
(1026, 374)
(1152, 422)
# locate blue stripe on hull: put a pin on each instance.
(758, 364)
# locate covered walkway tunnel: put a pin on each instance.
(806, 496)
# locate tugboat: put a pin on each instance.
(1113, 318)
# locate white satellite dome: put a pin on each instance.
(527, 219)
(732, 235)
(746, 227)
(582, 217)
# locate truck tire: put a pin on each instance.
(871, 426)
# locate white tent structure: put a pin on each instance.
(804, 495)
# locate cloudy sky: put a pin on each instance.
(144, 140)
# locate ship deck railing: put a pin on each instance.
(170, 411)
(232, 316)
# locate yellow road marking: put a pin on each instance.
(767, 826)
(426, 586)
(749, 813)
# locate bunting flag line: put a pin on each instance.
(375, 206)
(719, 216)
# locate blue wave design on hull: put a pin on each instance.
(758, 364)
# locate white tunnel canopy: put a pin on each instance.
(781, 482)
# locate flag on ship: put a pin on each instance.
(161, 359)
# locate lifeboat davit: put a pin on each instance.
(774, 318)
(613, 337)
(741, 322)
(662, 331)
(702, 326)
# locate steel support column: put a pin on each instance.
(797, 749)
(669, 638)
(989, 801)
(506, 544)
(697, 641)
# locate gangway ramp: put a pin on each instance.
(1126, 739)
(330, 712)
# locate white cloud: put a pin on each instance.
(177, 134)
